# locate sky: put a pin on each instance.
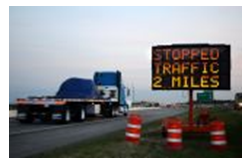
(47, 45)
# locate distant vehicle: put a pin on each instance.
(78, 98)
(238, 101)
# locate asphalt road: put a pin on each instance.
(29, 139)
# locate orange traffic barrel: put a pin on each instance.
(174, 134)
(218, 135)
(133, 129)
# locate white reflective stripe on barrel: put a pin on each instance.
(217, 133)
(174, 130)
(174, 140)
(133, 126)
(132, 135)
(218, 142)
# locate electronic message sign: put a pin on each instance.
(191, 66)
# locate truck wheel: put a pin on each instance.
(114, 112)
(46, 117)
(83, 114)
(107, 112)
(25, 118)
(110, 112)
(125, 110)
(28, 120)
(67, 118)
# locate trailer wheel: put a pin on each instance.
(27, 119)
(111, 112)
(46, 117)
(67, 116)
(108, 112)
(83, 114)
(114, 112)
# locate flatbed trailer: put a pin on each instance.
(78, 98)
(64, 110)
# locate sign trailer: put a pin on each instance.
(191, 67)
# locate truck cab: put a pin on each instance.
(110, 86)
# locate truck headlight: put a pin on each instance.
(240, 104)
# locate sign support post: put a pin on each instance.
(191, 106)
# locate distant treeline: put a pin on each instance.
(145, 104)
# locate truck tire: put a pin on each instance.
(79, 115)
(109, 112)
(67, 115)
(83, 114)
(26, 121)
(115, 112)
(46, 117)
(29, 119)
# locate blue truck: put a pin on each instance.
(78, 98)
